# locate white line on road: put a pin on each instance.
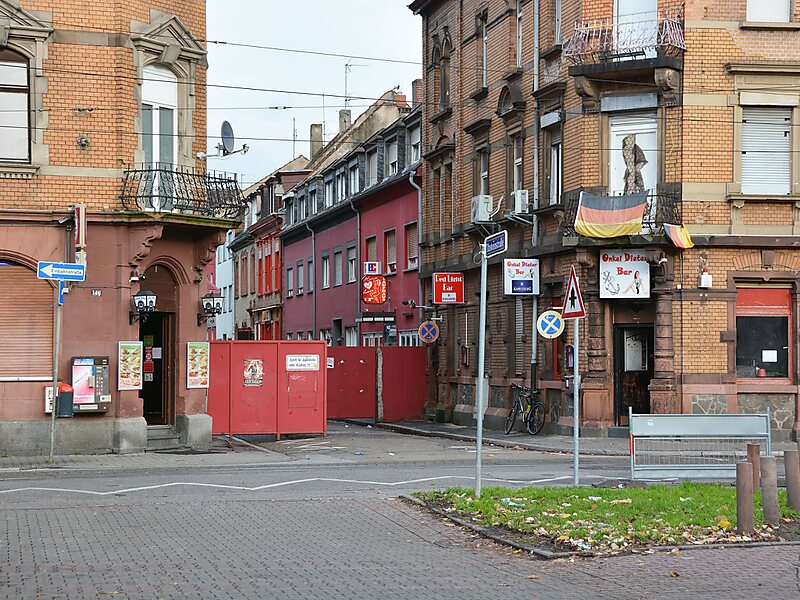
(287, 483)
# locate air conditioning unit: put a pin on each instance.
(521, 205)
(482, 209)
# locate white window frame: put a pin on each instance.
(519, 35)
(557, 10)
(300, 273)
(289, 282)
(412, 246)
(326, 272)
(390, 251)
(556, 166)
(415, 143)
(762, 160)
(337, 267)
(484, 36)
(352, 271)
(372, 340)
(15, 97)
(341, 186)
(769, 11)
(351, 336)
(517, 166)
(354, 179)
(483, 173)
(408, 338)
(159, 92)
(391, 158)
(330, 193)
(372, 167)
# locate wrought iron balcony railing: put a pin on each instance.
(603, 40)
(663, 206)
(166, 188)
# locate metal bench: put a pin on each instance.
(694, 446)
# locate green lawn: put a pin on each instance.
(601, 519)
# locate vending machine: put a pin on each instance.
(90, 380)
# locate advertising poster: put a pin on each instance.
(373, 289)
(253, 372)
(129, 374)
(82, 373)
(624, 275)
(521, 276)
(302, 362)
(197, 365)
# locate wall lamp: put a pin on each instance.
(144, 302)
(210, 305)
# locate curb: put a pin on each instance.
(547, 555)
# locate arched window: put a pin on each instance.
(444, 77)
(159, 115)
(14, 107)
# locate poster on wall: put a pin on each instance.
(253, 372)
(197, 365)
(129, 360)
(521, 276)
(302, 362)
(624, 275)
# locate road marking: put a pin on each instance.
(222, 486)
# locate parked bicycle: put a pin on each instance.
(532, 408)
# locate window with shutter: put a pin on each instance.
(289, 281)
(411, 246)
(351, 265)
(391, 251)
(766, 150)
(14, 114)
(774, 11)
(337, 267)
(371, 250)
(325, 271)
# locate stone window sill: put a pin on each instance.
(762, 198)
(479, 94)
(791, 25)
(442, 114)
(17, 170)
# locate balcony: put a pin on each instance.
(603, 41)
(663, 206)
(162, 188)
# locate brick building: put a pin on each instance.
(105, 106)
(686, 110)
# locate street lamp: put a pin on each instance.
(144, 301)
(210, 305)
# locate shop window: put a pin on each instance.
(764, 333)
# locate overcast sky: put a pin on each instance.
(371, 28)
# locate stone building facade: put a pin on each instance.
(104, 107)
(691, 104)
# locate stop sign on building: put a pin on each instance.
(448, 288)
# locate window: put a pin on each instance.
(351, 264)
(325, 335)
(353, 180)
(390, 248)
(372, 339)
(414, 144)
(299, 335)
(763, 333)
(325, 271)
(310, 282)
(159, 115)
(312, 202)
(412, 246)
(371, 249)
(341, 186)
(517, 172)
(773, 11)
(483, 39)
(408, 337)
(519, 34)
(300, 269)
(639, 133)
(554, 167)
(766, 150)
(289, 336)
(310, 335)
(289, 282)
(391, 158)
(557, 22)
(330, 194)
(372, 168)
(351, 336)
(14, 121)
(337, 267)
(482, 179)
(444, 81)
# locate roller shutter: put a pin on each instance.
(766, 150)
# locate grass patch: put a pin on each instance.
(614, 520)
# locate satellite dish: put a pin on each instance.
(227, 138)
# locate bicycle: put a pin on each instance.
(532, 410)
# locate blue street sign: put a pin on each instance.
(550, 324)
(497, 243)
(60, 293)
(428, 332)
(62, 271)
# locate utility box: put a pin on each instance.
(65, 399)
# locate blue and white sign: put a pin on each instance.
(497, 243)
(521, 276)
(61, 286)
(550, 324)
(62, 271)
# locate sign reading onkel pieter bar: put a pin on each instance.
(448, 288)
(624, 274)
(521, 276)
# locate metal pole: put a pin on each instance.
(56, 340)
(480, 378)
(575, 417)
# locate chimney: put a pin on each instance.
(400, 101)
(316, 139)
(345, 119)
(417, 93)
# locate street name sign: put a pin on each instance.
(62, 271)
(495, 244)
(573, 301)
(448, 288)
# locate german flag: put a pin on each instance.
(610, 216)
(679, 235)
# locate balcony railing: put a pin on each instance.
(166, 188)
(603, 40)
(662, 207)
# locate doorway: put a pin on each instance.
(156, 332)
(633, 370)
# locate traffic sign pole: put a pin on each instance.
(480, 379)
(576, 406)
(56, 344)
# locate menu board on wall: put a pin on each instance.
(197, 365)
(129, 362)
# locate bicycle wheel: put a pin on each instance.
(535, 420)
(511, 418)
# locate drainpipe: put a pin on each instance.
(316, 292)
(358, 262)
(535, 221)
(419, 232)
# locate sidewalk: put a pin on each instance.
(593, 446)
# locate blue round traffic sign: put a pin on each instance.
(428, 332)
(550, 324)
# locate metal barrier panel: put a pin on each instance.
(694, 446)
(403, 390)
(301, 389)
(254, 387)
(351, 382)
(219, 390)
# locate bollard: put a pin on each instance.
(753, 455)
(769, 490)
(744, 497)
(791, 466)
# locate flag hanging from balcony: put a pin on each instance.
(679, 235)
(610, 216)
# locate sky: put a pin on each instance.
(357, 28)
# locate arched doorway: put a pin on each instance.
(158, 335)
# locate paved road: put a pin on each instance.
(319, 518)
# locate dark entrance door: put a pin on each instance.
(633, 369)
(156, 331)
